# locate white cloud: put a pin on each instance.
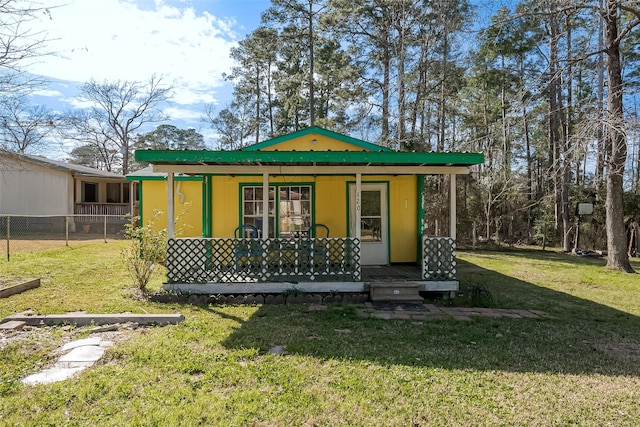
(184, 114)
(47, 93)
(117, 40)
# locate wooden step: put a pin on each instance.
(395, 292)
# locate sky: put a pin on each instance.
(185, 41)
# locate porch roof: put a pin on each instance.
(315, 162)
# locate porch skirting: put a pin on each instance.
(307, 287)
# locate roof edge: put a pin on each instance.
(320, 131)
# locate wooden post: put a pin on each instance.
(66, 230)
(452, 206)
(105, 228)
(358, 205)
(8, 236)
(265, 205)
(170, 219)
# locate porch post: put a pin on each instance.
(132, 198)
(358, 205)
(265, 205)
(170, 219)
(452, 206)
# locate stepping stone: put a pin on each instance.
(82, 356)
(278, 349)
(51, 375)
(81, 343)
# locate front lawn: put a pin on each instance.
(581, 367)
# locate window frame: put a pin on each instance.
(275, 226)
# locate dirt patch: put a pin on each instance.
(57, 336)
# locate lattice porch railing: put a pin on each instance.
(203, 260)
(438, 258)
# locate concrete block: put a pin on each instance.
(51, 375)
(81, 343)
(12, 325)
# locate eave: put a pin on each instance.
(297, 162)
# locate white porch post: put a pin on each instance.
(452, 206)
(132, 199)
(265, 205)
(358, 205)
(170, 213)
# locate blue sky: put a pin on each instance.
(187, 42)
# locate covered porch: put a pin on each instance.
(248, 265)
(370, 197)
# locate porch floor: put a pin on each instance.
(391, 273)
(369, 274)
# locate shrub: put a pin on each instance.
(147, 250)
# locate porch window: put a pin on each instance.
(294, 209)
(252, 208)
(89, 192)
(114, 193)
(117, 192)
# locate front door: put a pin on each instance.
(374, 230)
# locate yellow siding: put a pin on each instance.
(188, 214)
(403, 211)
(225, 202)
(306, 143)
(331, 204)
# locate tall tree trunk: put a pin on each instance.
(554, 116)
(617, 256)
(506, 144)
(441, 111)
(257, 103)
(386, 83)
(312, 103)
(566, 155)
(601, 156)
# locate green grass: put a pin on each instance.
(580, 368)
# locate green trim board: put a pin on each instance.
(206, 206)
(366, 158)
(140, 203)
(319, 131)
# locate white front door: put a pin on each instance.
(374, 224)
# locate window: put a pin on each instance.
(294, 209)
(114, 193)
(89, 192)
(126, 192)
(252, 208)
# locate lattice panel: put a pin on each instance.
(197, 260)
(438, 258)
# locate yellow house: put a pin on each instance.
(152, 201)
(333, 205)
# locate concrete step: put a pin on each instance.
(401, 292)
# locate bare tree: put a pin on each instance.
(118, 109)
(24, 127)
(18, 41)
(82, 128)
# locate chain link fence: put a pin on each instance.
(29, 233)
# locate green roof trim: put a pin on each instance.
(320, 131)
(378, 158)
